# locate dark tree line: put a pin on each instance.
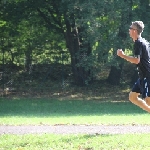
(87, 30)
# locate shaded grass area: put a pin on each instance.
(99, 90)
(46, 111)
(75, 142)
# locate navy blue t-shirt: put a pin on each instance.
(142, 50)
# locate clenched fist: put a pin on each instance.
(120, 53)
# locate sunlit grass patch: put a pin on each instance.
(74, 142)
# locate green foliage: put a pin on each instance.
(2, 23)
(33, 30)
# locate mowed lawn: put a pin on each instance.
(75, 142)
(52, 112)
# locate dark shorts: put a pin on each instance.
(142, 86)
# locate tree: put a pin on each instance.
(91, 29)
(122, 39)
(81, 23)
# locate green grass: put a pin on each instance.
(75, 142)
(46, 111)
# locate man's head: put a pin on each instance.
(136, 29)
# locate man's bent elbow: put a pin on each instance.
(137, 61)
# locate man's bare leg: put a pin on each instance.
(147, 99)
(133, 97)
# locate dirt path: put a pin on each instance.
(75, 129)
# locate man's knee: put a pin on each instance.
(133, 96)
(147, 99)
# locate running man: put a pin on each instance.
(142, 60)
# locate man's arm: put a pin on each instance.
(128, 58)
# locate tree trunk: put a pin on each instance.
(115, 73)
(80, 74)
(28, 58)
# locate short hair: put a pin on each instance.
(139, 25)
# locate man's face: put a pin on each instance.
(132, 31)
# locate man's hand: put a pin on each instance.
(120, 53)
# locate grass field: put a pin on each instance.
(45, 111)
(75, 142)
(51, 112)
